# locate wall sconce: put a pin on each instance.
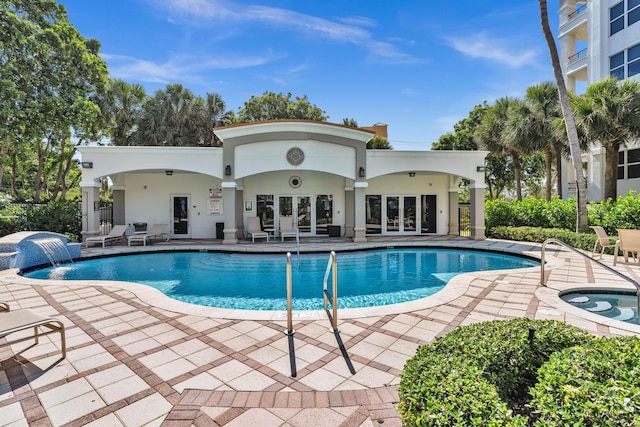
(168, 173)
(412, 174)
(481, 168)
(87, 165)
(361, 172)
(227, 170)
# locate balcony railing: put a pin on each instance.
(578, 55)
(579, 9)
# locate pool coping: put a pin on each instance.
(455, 288)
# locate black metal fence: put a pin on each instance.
(464, 220)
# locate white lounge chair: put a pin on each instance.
(602, 239)
(629, 243)
(286, 227)
(116, 234)
(25, 319)
(156, 232)
(255, 230)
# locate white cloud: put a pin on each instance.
(348, 30)
(480, 46)
(183, 68)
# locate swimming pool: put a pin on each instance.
(258, 281)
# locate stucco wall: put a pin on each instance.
(153, 203)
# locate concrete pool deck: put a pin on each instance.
(136, 357)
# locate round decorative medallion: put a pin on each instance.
(295, 182)
(295, 156)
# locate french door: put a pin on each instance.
(400, 214)
(300, 208)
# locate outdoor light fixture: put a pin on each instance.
(481, 168)
(412, 174)
(227, 170)
(361, 173)
(87, 165)
(168, 173)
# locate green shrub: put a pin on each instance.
(621, 213)
(532, 213)
(479, 375)
(583, 241)
(59, 216)
(594, 385)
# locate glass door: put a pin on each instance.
(304, 214)
(401, 214)
(180, 215)
(301, 209)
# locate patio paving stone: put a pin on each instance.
(136, 361)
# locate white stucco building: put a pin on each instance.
(598, 39)
(319, 173)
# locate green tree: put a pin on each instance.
(609, 114)
(213, 115)
(462, 137)
(493, 135)
(567, 114)
(350, 122)
(48, 79)
(378, 143)
(277, 106)
(122, 109)
(532, 125)
(172, 117)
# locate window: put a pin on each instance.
(373, 205)
(633, 59)
(324, 213)
(617, 63)
(632, 164)
(264, 209)
(616, 18)
(621, 165)
(633, 12)
(616, 66)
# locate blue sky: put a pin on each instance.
(417, 65)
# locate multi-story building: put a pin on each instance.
(598, 39)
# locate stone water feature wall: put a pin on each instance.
(26, 249)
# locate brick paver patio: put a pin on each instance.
(138, 358)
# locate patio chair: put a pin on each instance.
(25, 319)
(286, 227)
(602, 239)
(254, 229)
(155, 233)
(116, 234)
(629, 243)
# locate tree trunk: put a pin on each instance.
(611, 171)
(547, 166)
(582, 224)
(517, 171)
(559, 174)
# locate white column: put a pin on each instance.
(477, 210)
(360, 228)
(229, 203)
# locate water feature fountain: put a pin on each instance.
(28, 249)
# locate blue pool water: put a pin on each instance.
(258, 282)
(618, 305)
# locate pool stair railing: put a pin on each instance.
(332, 267)
(600, 263)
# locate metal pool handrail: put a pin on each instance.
(332, 266)
(600, 263)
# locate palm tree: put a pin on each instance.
(492, 134)
(532, 125)
(213, 115)
(567, 114)
(609, 113)
(122, 109)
